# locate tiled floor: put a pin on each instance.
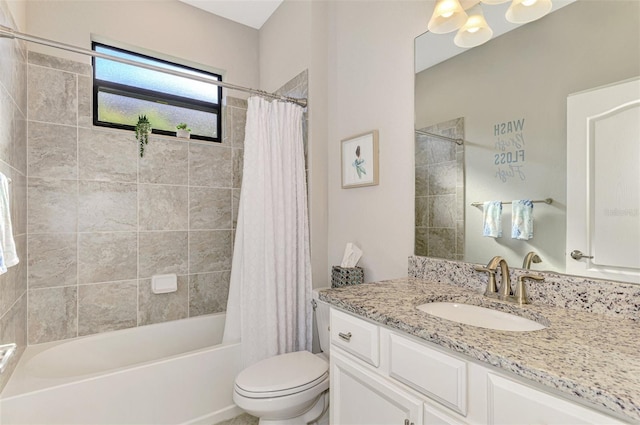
(244, 419)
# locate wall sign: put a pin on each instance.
(509, 148)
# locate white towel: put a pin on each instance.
(522, 219)
(8, 254)
(492, 219)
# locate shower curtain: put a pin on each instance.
(270, 290)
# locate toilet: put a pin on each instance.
(291, 388)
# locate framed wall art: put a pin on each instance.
(359, 156)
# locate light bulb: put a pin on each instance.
(529, 2)
(475, 31)
(523, 11)
(448, 15)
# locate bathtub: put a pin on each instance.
(169, 373)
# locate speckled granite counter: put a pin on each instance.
(591, 356)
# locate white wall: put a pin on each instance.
(170, 27)
(371, 83)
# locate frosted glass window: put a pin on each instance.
(122, 92)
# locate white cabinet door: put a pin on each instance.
(603, 182)
(360, 397)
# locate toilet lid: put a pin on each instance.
(282, 374)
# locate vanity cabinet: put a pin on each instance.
(382, 376)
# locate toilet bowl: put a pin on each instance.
(288, 389)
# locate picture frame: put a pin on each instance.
(359, 160)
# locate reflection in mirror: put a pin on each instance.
(439, 188)
(512, 93)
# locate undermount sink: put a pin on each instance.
(480, 316)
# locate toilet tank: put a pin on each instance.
(322, 323)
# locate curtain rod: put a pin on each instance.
(10, 33)
(437, 136)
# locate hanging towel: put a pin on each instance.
(492, 219)
(8, 254)
(522, 219)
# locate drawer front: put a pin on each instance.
(437, 375)
(513, 403)
(356, 336)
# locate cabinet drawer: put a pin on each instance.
(513, 403)
(356, 336)
(439, 376)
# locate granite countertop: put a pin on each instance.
(591, 356)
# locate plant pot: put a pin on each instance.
(183, 134)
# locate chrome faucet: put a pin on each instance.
(505, 278)
(531, 257)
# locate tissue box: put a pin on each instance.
(343, 276)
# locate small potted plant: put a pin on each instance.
(183, 131)
(143, 130)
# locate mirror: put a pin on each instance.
(511, 95)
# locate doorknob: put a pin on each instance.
(578, 255)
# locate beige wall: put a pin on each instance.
(171, 27)
(528, 74)
(18, 10)
(292, 40)
(371, 87)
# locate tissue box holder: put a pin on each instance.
(343, 276)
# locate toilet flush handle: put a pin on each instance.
(345, 336)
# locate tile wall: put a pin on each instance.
(439, 188)
(102, 220)
(13, 150)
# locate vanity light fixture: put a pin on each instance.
(473, 30)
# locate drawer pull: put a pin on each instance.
(406, 422)
(345, 337)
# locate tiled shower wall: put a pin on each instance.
(102, 220)
(439, 188)
(13, 148)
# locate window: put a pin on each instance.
(121, 92)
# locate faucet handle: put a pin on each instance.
(521, 290)
(492, 287)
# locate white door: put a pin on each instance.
(603, 182)
(359, 397)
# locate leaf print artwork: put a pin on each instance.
(359, 164)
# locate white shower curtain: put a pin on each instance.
(270, 291)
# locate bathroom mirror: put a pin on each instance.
(511, 95)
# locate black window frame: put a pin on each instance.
(154, 96)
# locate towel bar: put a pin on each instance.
(546, 201)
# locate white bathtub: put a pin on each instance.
(170, 373)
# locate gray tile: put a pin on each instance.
(235, 206)
(107, 257)
(20, 277)
(236, 102)
(421, 246)
(52, 96)
(243, 419)
(460, 237)
(163, 207)
(53, 151)
(208, 293)
(106, 307)
(59, 63)
(209, 208)
(18, 158)
(209, 251)
(52, 205)
(422, 180)
(156, 308)
(238, 122)
(442, 243)
(13, 329)
(422, 211)
(165, 161)
(442, 178)
(18, 204)
(442, 211)
(52, 260)
(238, 162)
(52, 314)
(162, 253)
(210, 165)
(106, 206)
(107, 155)
(85, 101)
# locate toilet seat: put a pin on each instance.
(282, 375)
